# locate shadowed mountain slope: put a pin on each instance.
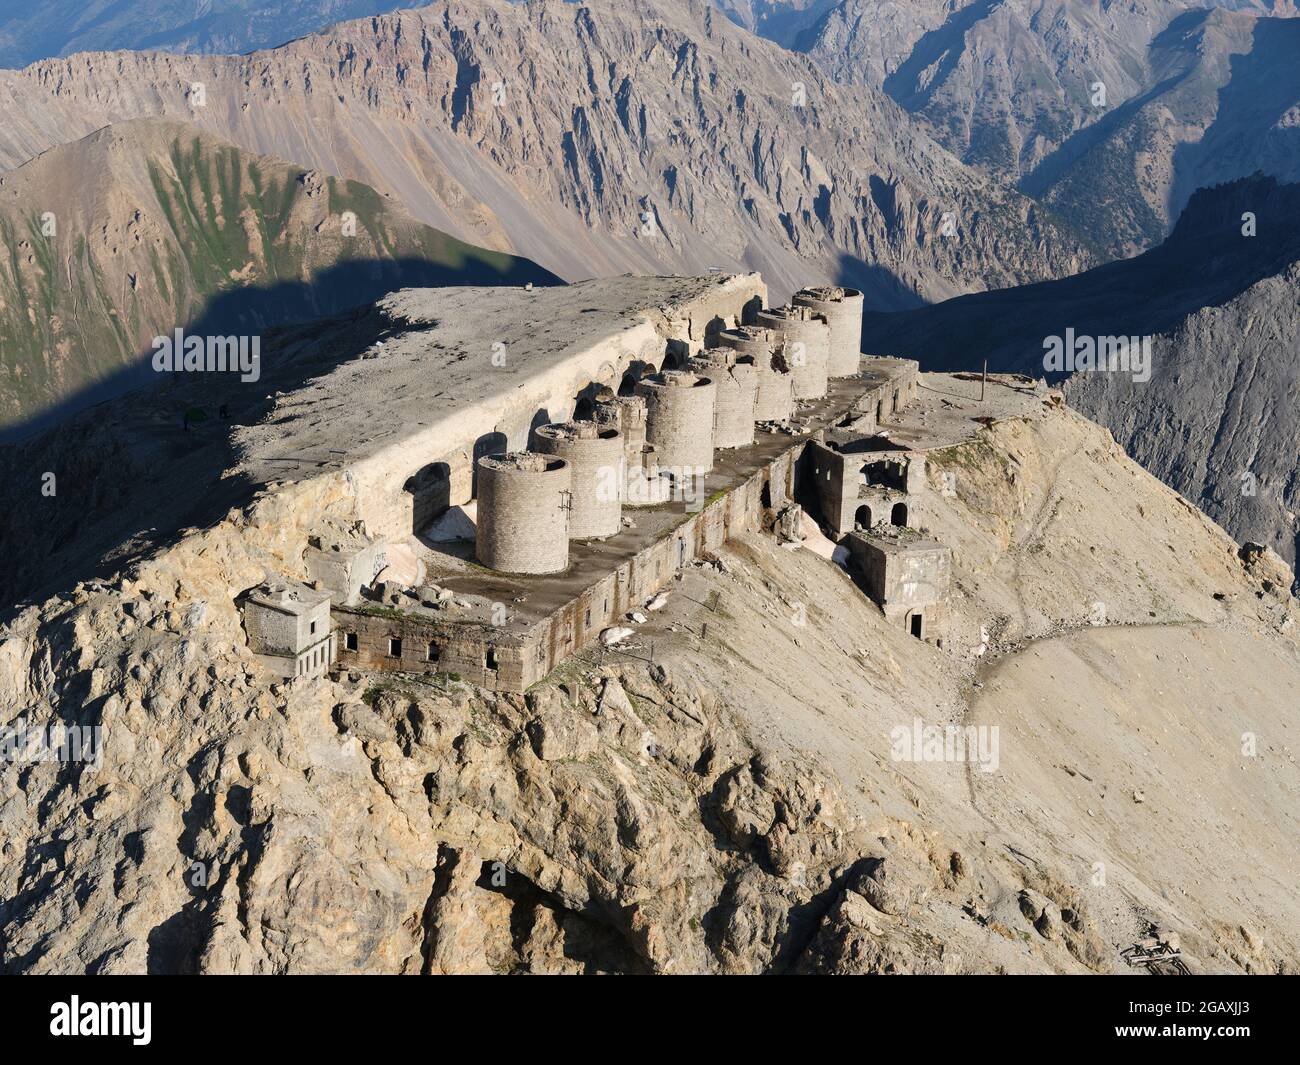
(178, 229)
(1219, 420)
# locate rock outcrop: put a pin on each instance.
(732, 805)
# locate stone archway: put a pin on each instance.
(862, 517)
(898, 516)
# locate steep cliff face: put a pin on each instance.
(1220, 421)
(1111, 113)
(1002, 85)
(149, 226)
(728, 802)
(1217, 419)
(1221, 101)
(654, 138)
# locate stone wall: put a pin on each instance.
(500, 661)
(899, 388)
(343, 563)
(679, 419)
(402, 488)
(737, 392)
(907, 579)
(386, 640)
(774, 391)
(315, 661)
(834, 479)
(285, 630)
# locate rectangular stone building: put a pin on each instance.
(908, 577)
(861, 482)
(289, 629)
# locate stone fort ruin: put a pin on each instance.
(495, 542)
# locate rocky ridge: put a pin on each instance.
(1192, 93)
(1219, 301)
(701, 812)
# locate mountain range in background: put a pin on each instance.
(38, 29)
(1113, 114)
(657, 138)
(1109, 114)
(177, 229)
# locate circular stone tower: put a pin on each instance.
(842, 309)
(736, 381)
(774, 399)
(627, 415)
(679, 419)
(523, 513)
(595, 457)
(807, 346)
(641, 486)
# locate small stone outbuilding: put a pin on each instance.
(288, 627)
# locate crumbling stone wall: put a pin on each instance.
(774, 394)
(508, 661)
(343, 561)
(807, 343)
(736, 381)
(897, 384)
(505, 421)
(679, 418)
(834, 480)
(387, 640)
(640, 485)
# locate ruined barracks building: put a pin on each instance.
(709, 426)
